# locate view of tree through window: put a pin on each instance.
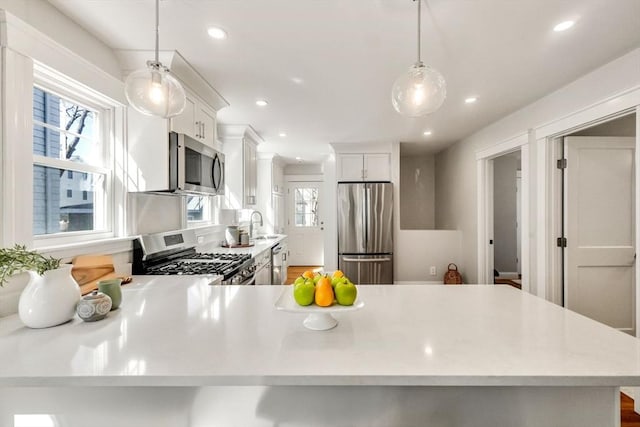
(306, 207)
(66, 140)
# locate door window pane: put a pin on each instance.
(64, 204)
(306, 207)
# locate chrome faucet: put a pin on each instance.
(251, 222)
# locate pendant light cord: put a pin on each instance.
(157, 31)
(419, 15)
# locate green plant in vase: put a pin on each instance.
(19, 259)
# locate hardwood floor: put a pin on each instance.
(628, 416)
(296, 270)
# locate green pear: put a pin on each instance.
(299, 280)
(304, 293)
(316, 278)
(346, 293)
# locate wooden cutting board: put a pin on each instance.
(89, 269)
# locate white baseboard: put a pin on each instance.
(417, 282)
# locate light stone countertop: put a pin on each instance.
(259, 246)
(179, 331)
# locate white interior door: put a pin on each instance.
(599, 225)
(305, 228)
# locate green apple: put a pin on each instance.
(336, 280)
(299, 280)
(346, 293)
(304, 292)
(317, 278)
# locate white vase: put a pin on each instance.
(50, 299)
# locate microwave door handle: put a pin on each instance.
(216, 182)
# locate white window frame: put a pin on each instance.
(207, 212)
(56, 83)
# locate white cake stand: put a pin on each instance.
(318, 318)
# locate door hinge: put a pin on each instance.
(562, 163)
(561, 242)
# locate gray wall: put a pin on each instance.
(505, 251)
(417, 192)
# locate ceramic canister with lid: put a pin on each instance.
(93, 306)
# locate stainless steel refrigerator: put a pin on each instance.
(365, 231)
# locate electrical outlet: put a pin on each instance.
(432, 270)
(200, 239)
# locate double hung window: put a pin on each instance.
(72, 178)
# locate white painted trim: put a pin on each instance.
(636, 391)
(504, 147)
(607, 108)
(485, 208)
(28, 41)
(525, 218)
(107, 246)
(304, 178)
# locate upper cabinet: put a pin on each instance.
(270, 197)
(198, 120)
(239, 144)
(364, 167)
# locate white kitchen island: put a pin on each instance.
(181, 353)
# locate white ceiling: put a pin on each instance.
(347, 54)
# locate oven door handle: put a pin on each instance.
(250, 281)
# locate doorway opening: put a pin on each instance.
(595, 222)
(507, 207)
(503, 213)
(305, 227)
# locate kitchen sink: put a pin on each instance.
(266, 237)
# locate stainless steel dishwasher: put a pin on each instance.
(279, 261)
(263, 268)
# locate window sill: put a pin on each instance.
(108, 246)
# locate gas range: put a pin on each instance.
(173, 253)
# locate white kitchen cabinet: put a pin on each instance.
(250, 172)
(270, 196)
(364, 167)
(197, 120)
(279, 213)
(239, 144)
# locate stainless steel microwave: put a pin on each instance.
(194, 167)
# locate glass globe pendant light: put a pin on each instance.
(421, 90)
(154, 91)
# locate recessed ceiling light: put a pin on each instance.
(299, 159)
(427, 133)
(297, 80)
(217, 33)
(563, 26)
(282, 134)
(471, 100)
(261, 103)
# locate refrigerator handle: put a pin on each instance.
(368, 208)
(345, 259)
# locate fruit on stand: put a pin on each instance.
(304, 292)
(324, 292)
(346, 293)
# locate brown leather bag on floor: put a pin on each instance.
(452, 276)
